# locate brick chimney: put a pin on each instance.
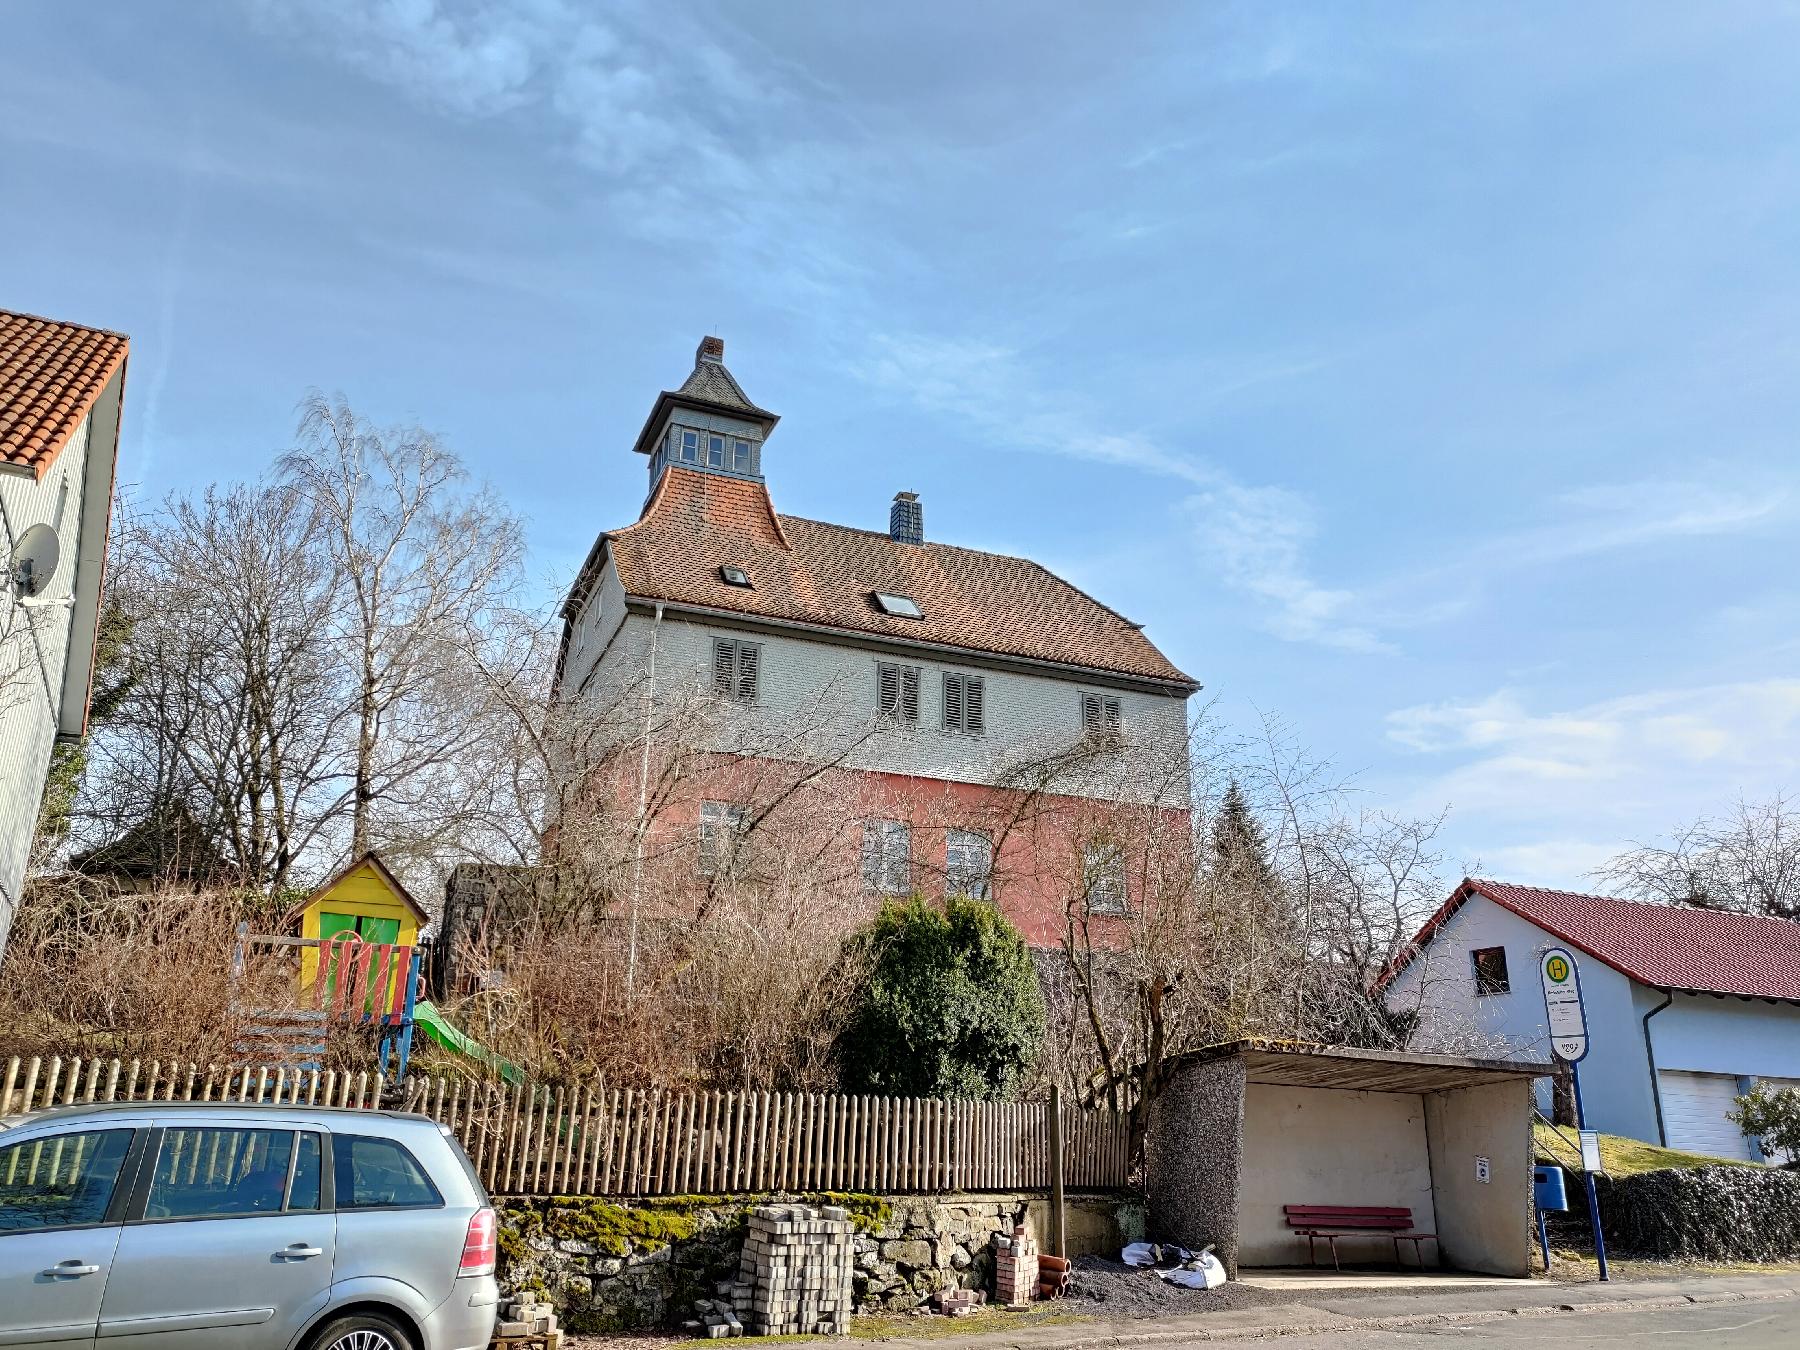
(906, 519)
(711, 349)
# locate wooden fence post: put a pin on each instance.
(1055, 1160)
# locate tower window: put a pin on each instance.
(684, 445)
(715, 452)
(740, 456)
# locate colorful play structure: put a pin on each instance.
(360, 957)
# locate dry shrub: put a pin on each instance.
(94, 973)
(745, 995)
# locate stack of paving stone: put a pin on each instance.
(716, 1318)
(524, 1321)
(958, 1302)
(794, 1276)
(1015, 1268)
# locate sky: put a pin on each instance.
(1425, 375)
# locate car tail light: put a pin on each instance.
(478, 1246)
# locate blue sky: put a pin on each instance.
(1426, 374)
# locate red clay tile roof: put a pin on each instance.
(1703, 950)
(807, 571)
(50, 375)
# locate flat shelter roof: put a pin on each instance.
(1304, 1064)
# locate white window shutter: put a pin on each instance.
(748, 655)
(953, 702)
(724, 666)
(909, 693)
(973, 713)
(887, 688)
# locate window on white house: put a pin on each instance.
(964, 698)
(735, 669)
(887, 856)
(968, 864)
(1103, 877)
(722, 829)
(1489, 964)
(897, 691)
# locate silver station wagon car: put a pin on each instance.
(169, 1225)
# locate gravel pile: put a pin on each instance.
(1123, 1291)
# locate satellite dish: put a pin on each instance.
(34, 561)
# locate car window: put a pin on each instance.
(61, 1181)
(204, 1173)
(308, 1173)
(377, 1173)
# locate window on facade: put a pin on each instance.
(963, 704)
(968, 864)
(684, 445)
(897, 691)
(900, 606)
(715, 452)
(1490, 971)
(1100, 717)
(735, 668)
(1103, 877)
(887, 856)
(740, 456)
(722, 827)
(65, 1181)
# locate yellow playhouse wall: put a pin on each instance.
(366, 895)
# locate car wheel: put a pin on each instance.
(361, 1331)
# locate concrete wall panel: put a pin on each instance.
(1483, 1227)
(1324, 1146)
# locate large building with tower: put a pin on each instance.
(959, 682)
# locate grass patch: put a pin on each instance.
(1619, 1156)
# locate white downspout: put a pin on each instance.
(637, 862)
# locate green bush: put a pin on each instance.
(950, 1006)
(1771, 1116)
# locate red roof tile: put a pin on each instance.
(1703, 950)
(50, 376)
(807, 571)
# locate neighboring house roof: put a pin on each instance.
(1704, 951)
(169, 845)
(813, 573)
(51, 374)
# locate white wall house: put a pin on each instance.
(1686, 1008)
(61, 387)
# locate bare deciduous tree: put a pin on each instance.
(1747, 860)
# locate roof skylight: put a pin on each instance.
(734, 576)
(900, 606)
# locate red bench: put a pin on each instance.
(1331, 1222)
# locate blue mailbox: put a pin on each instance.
(1548, 1188)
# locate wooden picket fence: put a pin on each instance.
(593, 1140)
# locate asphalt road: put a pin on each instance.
(1732, 1326)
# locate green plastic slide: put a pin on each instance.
(435, 1025)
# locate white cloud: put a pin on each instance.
(1255, 537)
(1564, 786)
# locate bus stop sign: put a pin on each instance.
(1562, 1003)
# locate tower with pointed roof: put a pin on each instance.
(709, 424)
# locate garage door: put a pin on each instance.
(1694, 1107)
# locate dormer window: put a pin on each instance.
(900, 606)
(734, 576)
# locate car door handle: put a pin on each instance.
(300, 1252)
(71, 1269)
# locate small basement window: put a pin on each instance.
(901, 606)
(735, 576)
(1490, 971)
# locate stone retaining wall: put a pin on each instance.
(1699, 1213)
(609, 1266)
